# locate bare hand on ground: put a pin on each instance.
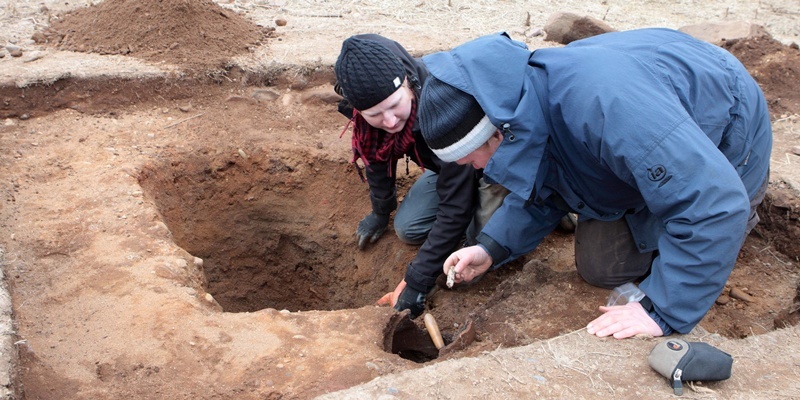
(623, 322)
(469, 263)
(390, 298)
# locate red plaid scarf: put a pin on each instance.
(371, 144)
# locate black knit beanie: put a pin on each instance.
(367, 72)
(452, 122)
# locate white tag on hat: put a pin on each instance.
(397, 81)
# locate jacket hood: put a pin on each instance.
(494, 69)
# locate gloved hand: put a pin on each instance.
(390, 299)
(371, 228)
(404, 297)
(411, 300)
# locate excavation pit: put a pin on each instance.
(264, 228)
(275, 230)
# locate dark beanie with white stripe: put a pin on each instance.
(452, 122)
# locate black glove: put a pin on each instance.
(371, 228)
(411, 300)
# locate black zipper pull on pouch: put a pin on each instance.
(677, 385)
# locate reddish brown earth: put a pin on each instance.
(125, 201)
(197, 35)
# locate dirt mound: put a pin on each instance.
(193, 34)
(775, 66)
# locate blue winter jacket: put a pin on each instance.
(650, 125)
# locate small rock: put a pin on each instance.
(209, 298)
(740, 294)
(723, 299)
(320, 95)
(239, 99)
(372, 366)
(564, 27)
(243, 154)
(280, 22)
(198, 262)
(796, 150)
(265, 95)
(534, 33)
(15, 53)
(39, 37)
(185, 108)
(33, 56)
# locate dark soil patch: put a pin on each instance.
(197, 35)
(775, 67)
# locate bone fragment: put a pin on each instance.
(451, 277)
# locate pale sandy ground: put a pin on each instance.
(572, 366)
(315, 30)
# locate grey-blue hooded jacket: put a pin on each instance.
(652, 125)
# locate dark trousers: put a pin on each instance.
(606, 255)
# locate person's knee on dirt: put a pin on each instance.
(417, 213)
(491, 198)
(380, 84)
(606, 255)
(658, 182)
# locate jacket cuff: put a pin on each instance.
(495, 250)
(665, 328)
(419, 282)
(384, 206)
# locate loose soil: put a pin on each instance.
(193, 236)
(197, 35)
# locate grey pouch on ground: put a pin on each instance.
(681, 361)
